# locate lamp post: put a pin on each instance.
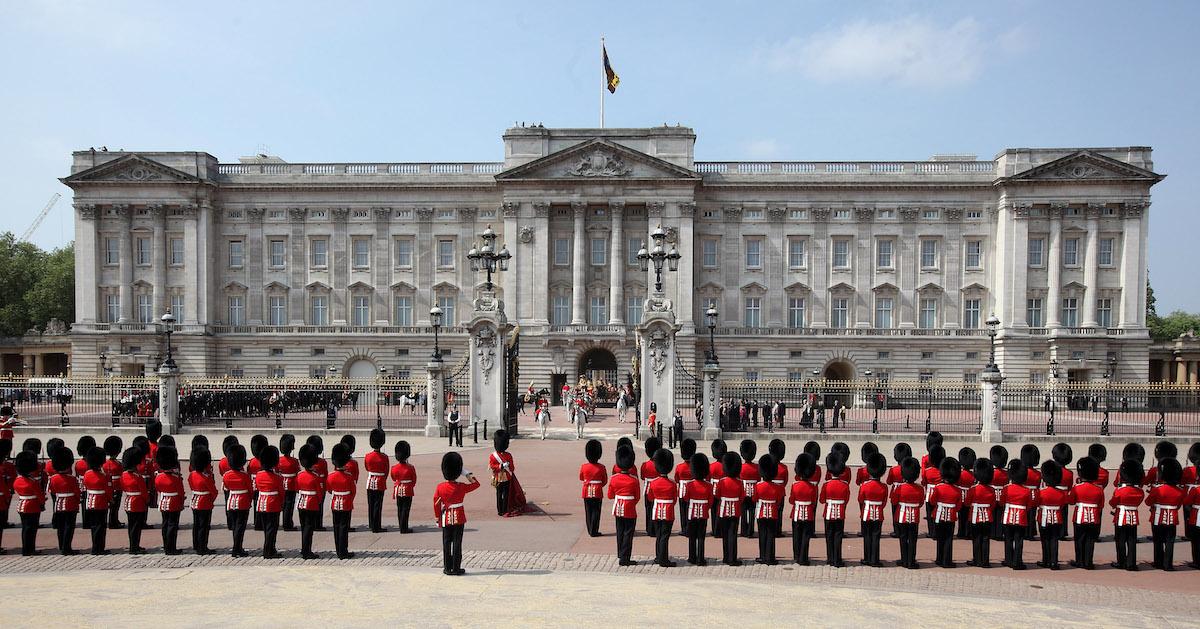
(874, 401)
(108, 377)
(435, 319)
(1053, 395)
(378, 412)
(168, 322)
(486, 258)
(993, 322)
(658, 255)
(710, 317)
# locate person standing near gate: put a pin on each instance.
(454, 424)
(448, 508)
(376, 464)
(623, 490)
(677, 428)
(502, 466)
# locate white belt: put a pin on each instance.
(407, 480)
(238, 492)
(202, 493)
(307, 492)
(835, 502)
(268, 493)
(909, 505)
(34, 497)
(663, 502)
(1158, 509)
(695, 503)
(288, 475)
(96, 492)
(625, 497)
(873, 503)
(724, 499)
(339, 493)
(376, 473)
(454, 506)
(593, 482)
(167, 494)
(128, 493)
(978, 510)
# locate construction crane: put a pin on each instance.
(40, 217)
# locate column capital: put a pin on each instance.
(907, 214)
(617, 208)
(255, 213)
(468, 213)
(297, 214)
(864, 214)
(953, 213)
(339, 214)
(87, 211)
(1022, 209)
(424, 214)
(1057, 209)
(382, 213)
(687, 208)
(731, 213)
(1134, 209)
(541, 209)
(124, 210)
(510, 209)
(655, 208)
(1094, 210)
(579, 208)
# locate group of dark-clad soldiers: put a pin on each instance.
(983, 499)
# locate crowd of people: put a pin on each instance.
(984, 499)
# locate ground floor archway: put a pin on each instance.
(599, 366)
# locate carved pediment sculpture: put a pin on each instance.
(55, 327)
(600, 163)
(485, 348)
(659, 350)
(526, 234)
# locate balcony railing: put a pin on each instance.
(365, 169)
(948, 168)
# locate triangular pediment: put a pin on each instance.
(445, 287)
(930, 288)
(235, 287)
(797, 287)
(974, 286)
(1074, 286)
(1085, 166)
(403, 287)
(754, 287)
(597, 159)
(841, 287)
(317, 286)
(131, 169)
(885, 287)
(276, 287)
(361, 286)
(710, 287)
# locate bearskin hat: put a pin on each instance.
(85, 445)
(731, 463)
(652, 445)
(452, 464)
(998, 455)
(805, 466)
(257, 443)
(1133, 451)
(317, 443)
(287, 443)
(500, 441)
(350, 442)
(1030, 455)
(748, 449)
(937, 454)
(201, 459)
(842, 449)
(1052, 473)
(1131, 472)
(199, 441)
(934, 438)
(625, 458)
(1061, 453)
(1170, 472)
(777, 449)
(377, 438)
(340, 455)
(307, 456)
(699, 466)
(813, 449)
(966, 459)
(624, 442)
(900, 452)
(53, 445)
(719, 448)
(403, 451)
(664, 462)
(1098, 452)
(166, 440)
(94, 458)
(876, 465)
(167, 458)
(228, 442)
(154, 430)
(1017, 472)
(1165, 450)
(687, 448)
(268, 457)
(835, 464)
(141, 443)
(983, 471)
(26, 462)
(236, 457)
(1194, 453)
(1088, 469)
(62, 460)
(910, 470)
(592, 450)
(768, 468)
(867, 450)
(131, 458)
(950, 470)
(113, 446)
(32, 444)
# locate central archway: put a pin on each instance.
(836, 374)
(599, 365)
(839, 370)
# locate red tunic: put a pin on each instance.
(804, 500)
(223, 466)
(872, 496)
(321, 469)
(893, 477)
(1052, 502)
(999, 482)
(1125, 502)
(979, 500)
(376, 465)
(342, 489)
(64, 488)
(1102, 478)
(270, 491)
(861, 476)
(97, 489)
(835, 494)
(1088, 500)
(697, 496)
(1193, 502)
(502, 466)
(844, 476)
(288, 469)
(112, 468)
(648, 474)
(310, 491)
(1164, 502)
(253, 468)
(728, 496)
(716, 471)
(133, 488)
(683, 474)
(169, 486)
(237, 483)
(946, 500)
(1017, 501)
(908, 498)
(448, 502)
(767, 499)
(404, 480)
(5, 493)
(623, 490)
(30, 497)
(930, 477)
(352, 469)
(204, 490)
(663, 495)
(750, 478)
(593, 476)
(1068, 479)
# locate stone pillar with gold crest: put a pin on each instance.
(489, 329)
(656, 340)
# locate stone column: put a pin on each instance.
(488, 331)
(381, 268)
(863, 249)
(1165, 372)
(425, 259)
(616, 265)
(521, 258)
(907, 261)
(990, 409)
(254, 262)
(126, 259)
(1181, 375)
(685, 300)
(339, 268)
(539, 298)
(297, 303)
(712, 401)
(952, 273)
(656, 334)
(819, 262)
(168, 398)
(87, 264)
(578, 288)
(37, 364)
(160, 260)
(1054, 268)
(1090, 265)
(1133, 285)
(435, 396)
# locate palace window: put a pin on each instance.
(930, 214)
(237, 310)
(278, 252)
(142, 250)
(752, 313)
(445, 254)
(176, 251)
(839, 312)
(795, 312)
(883, 253)
(361, 315)
(929, 259)
(112, 308)
(404, 253)
(362, 252)
(631, 251)
(446, 303)
(1070, 312)
(883, 312)
(1036, 258)
(1033, 312)
(145, 308)
(560, 310)
(928, 315)
(971, 313)
(1105, 257)
(320, 310)
(177, 306)
(974, 254)
(599, 252)
(237, 254)
(277, 305)
(403, 306)
(841, 253)
(708, 253)
(598, 312)
(562, 252)
(754, 253)
(319, 253)
(633, 309)
(112, 251)
(1104, 312)
(1071, 252)
(796, 253)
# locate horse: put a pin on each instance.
(542, 417)
(408, 401)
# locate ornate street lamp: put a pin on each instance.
(710, 317)
(332, 372)
(486, 258)
(658, 255)
(993, 322)
(435, 319)
(168, 322)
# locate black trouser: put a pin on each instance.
(943, 532)
(981, 544)
(455, 433)
(341, 533)
(625, 529)
(872, 530)
(766, 540)
(1085, 544)
(29, 529)
(64, 525)
(114, 509)
(238, 520)
(997, 522)
(135, 523)
(1014, 545)
(747, 517)
(779, 519)
(695, 535)
(1164, 545)
(1031, 529)
(452, 537)
(591, 515)
(1051, 535)
(270, 525)
(502, 498)
(683, 519)
(289, 510)
(94, 520)
(662, 541)
(713, 517)
(964, 529)
(728, 529)
(403, 508)
(201, 525)
(375, 510)
(802, 534)
(908, 544)
(257, 518)
(308, 524)
(321, 514)
(646, 502)
(170, 531)
(1126, 539)
(835, 530)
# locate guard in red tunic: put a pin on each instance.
(82, 447)
(931, 476)
(169, 486)
(321, 469)
(1016, 501)
(503, 466)
(663, 494)
(1165, 500)
(342, 489)
(288, 469)
(894, 478)
(813, 449)
(134, 497)
(253, 466)
(872, 499)
(648, 474)
(998, 455)
(593, 476)
(1192, 509)
(376, 465)
(623, 490)
(204, 497)
(310, 490)
(750, 477)
(778, 450)
(352, 465)
(835, 495)
(1031, 456)
(715, 473)
(862, 475)
(697, 499)
(404, 485)
(1088, 497)
(1051, 507)
(448, 500)
(767, 498)
(1099, 453)
(239, 500)
(934, 438)
(113, 447)
(1061, 453)
(97, 492)
(966, 480)
(728, 496)
(979, 501)
(683, 474)
(1125, 502)
(803, 497)
(269, 503)
(844, 450)
(908, 497)
(947, 499)
(64, 491)
(222, 468)
(1163, 450)
(31, 500)
(8, 474)
(34, 445)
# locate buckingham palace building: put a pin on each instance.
(282, 269)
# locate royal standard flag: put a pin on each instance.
(609, 74)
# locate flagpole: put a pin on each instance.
(603, 83)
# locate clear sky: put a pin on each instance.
(426, 81)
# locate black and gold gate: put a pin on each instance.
(512, 351)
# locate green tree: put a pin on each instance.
(53, 295)
(21, 265)
(1171, 326)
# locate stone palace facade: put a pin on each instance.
(286, 269)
